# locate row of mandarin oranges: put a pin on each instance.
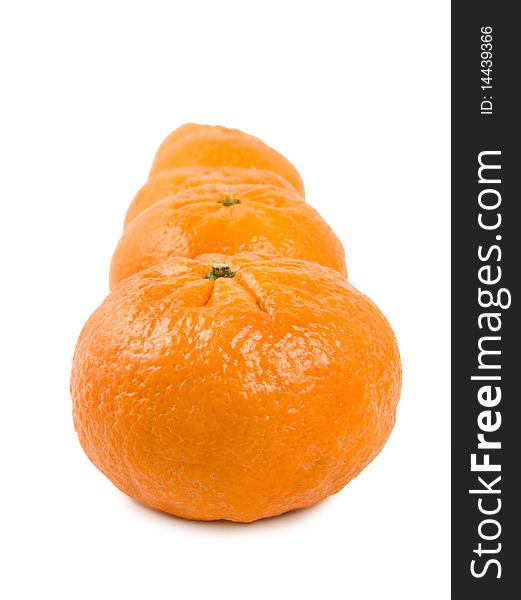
(233, 372)
(213, 189)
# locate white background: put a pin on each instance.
(356, 95)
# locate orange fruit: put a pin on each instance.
(171, 181)
(226, 219)
(215, 146)
(234, 387)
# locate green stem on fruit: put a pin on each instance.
(229, 201)
(220, 270)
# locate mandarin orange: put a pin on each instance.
(226, 219)
(235, 387)
(171, 181)
(214, 146)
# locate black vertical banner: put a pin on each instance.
(486, 329)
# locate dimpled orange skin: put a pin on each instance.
(267, 219)
(239, 398)
(216, 146)
(171, 181)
